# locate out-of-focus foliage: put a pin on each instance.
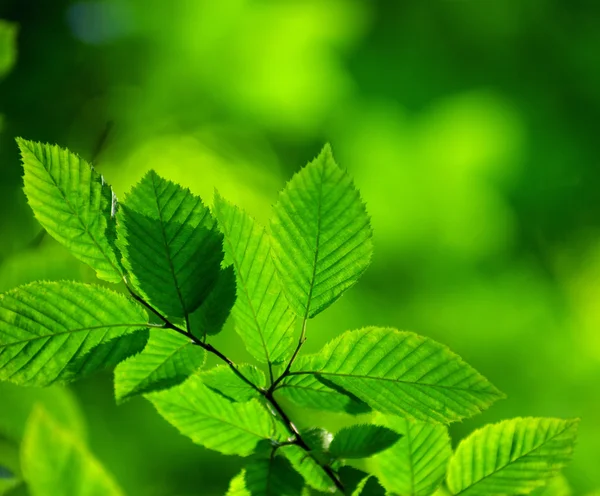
(469, 127)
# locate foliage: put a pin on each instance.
(179, 264)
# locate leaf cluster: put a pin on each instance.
(182, 270)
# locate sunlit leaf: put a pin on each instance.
(321, 236)
(237, 485)
(167, 360)
(213, 421)
(416, 464)
(73, 204)
(401, 373)
(223, 380)
(262, 316)
(362, 441)
(511, 457)
(60, 331)
(55, 462)
(170, 243)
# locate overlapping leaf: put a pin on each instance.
(401, 373)
(310, 470)
(213, 421)
(211, 315)
(272, 476)
(171, 246)
(308, 391)
(59, 331)
(55, 462)
(359, 483)
(73, 204)
(321, 236)
(362, 441)
(416, 464)
(511, 457)
(167, 360)
(223, 380)
(262, 316)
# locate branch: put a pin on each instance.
(267, 394)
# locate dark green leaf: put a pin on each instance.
(61, 331)
(321, 236)
(171, 246)
(362, 441)
(359, 483)
(272, 476)
(211, 316)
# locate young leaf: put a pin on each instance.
(171, 246)
(210, 317)
(237, 485)
(55, 462)
(262, 316)
(511, 457)
(167, 360)
(60, 331)
(401, 373)
(359, 483)
(321, 236)
(73, 204)
(272, 476)
(416, 464)
(213, 421)
(310, 391)
(224, 381)
(310, 470)
(362, 441)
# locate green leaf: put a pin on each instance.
(59, 402)
(211, 316)
(213, 421)
(321, 236)
(167, 360)
(401, 373)
(224, 381)
(73, 204)
(262, 316)
(272, 476)
(55, 462)
(61, 331)
(171, 246)
(359, 483)
(511, 457)
(237, 485)
(310, 391)
(310, 470)
(362, 441)
(8, 46)
(416, 464)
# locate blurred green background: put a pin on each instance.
(470, 126)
